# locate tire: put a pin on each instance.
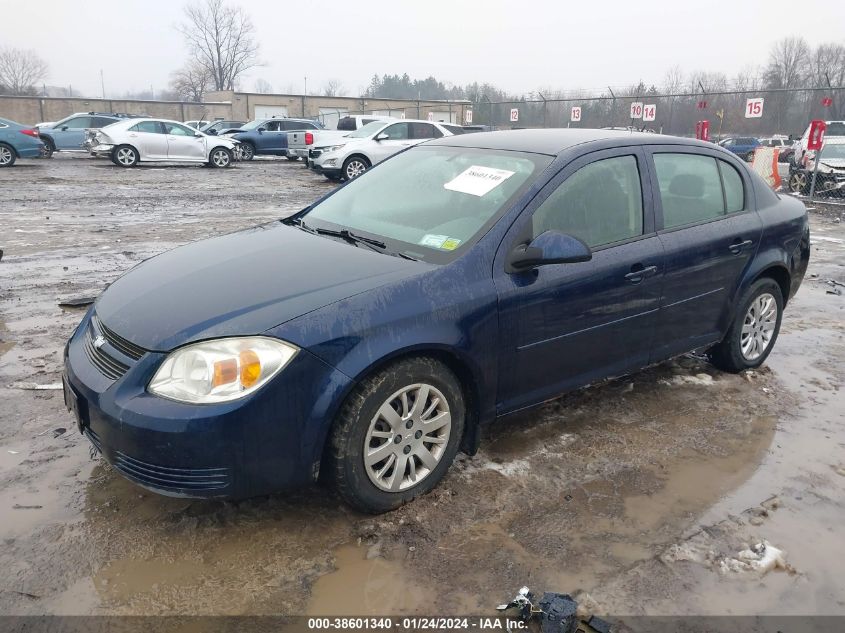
(247, 151)
(749, 157)
(754, 321)
(125, 156)
(7, 155)
(799, 182)
(292, 159)
(49, 148)
(354, 166)
(361, 427)
(333, 178)
(220, 157)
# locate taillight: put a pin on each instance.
(30, 133)
(309, 138)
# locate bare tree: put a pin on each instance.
(788, 63)
(263, 86)
(827, 64)
(221, 39)
(21, 70)
(333, 88)
(191, 82)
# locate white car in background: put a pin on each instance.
(350, 156)
(301, 142)
(152, 140)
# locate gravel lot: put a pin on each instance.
(636, 490)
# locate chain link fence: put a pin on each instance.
(741, 121)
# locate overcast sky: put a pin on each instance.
(520, 45)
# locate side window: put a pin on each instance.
(600, 203)
(424, 130)
(77, 123)
(734, 190)
(150, 127)
(101, 121)
(178, 130)
(397, 131)
(690, 188)
(272, 126)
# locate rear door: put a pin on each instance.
(184, 143)
(710, 232)
(149, 138)
(564, 325)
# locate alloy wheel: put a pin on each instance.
(220, 158)
(5, 155)
(798, 182)
(126, 156)
(355, 168)
(407, 437)
(758, 327)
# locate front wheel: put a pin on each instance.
(754, 330)
(247, 151)
(7, 156)
(354, 166)
(220, 157)
(799, 182)
(125, 156)
(397, 434)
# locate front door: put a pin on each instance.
(71, 134)
(710, 233)
(183, 143)
(398, 138)
(149, 138)
(565, 325)
(273, 139)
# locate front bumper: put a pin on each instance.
(264, 443)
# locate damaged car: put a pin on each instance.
(830, 175)
(134, 141)
(368, 338)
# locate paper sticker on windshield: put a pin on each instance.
(477, 180)
(450, 244)
(434, 241)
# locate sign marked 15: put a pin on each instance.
(754, 108)
(637, 110)
(514, 115)
(649, 112)
(575, 114)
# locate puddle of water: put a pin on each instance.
(362, 586)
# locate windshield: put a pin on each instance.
(430, 202)
(252, 125)
(835, 128)
(833, 150)
(369, 129)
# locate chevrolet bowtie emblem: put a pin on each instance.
(99, 342)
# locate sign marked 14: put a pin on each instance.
(649, 112)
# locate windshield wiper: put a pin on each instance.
(351, 237)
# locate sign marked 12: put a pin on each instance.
(754, 108)
(514, 115)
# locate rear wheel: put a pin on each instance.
(7, 155)
(292, 158)
(247, 151)
(49, 148)
(125, 156)
(354, 166)
(397, 434)
(220, 157)
(754, 330)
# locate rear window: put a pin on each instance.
(454, 129)
(347, 124)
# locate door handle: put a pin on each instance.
(639, 272)
(738, 246)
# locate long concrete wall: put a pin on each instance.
(32, 110)
(228, 104)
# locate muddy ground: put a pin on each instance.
(641, 491)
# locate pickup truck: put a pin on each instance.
(301, 141)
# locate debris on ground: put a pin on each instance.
(18, 506)
(77, 303)
(58, 432)
(555, 612)
(34, 386)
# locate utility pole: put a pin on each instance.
(102, 84)
(304, 93)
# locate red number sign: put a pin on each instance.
(637, 110)
(816, 140)
(754, 108)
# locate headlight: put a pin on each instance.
(220, 370)
(330, 148)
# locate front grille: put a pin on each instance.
(119, 343)
(171, 479)
(94, 438)
(314, 153)
(108, 366)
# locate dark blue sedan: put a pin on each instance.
(369, 337)
(18, 141)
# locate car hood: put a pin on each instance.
(240, 284)
(835, 163)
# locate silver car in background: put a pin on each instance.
(132, 141)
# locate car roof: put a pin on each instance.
(554, 141)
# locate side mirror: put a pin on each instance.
(64, 128)
(262, 129)
(550, 247)
(212, 132)
(382, 137)
(198, 134)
